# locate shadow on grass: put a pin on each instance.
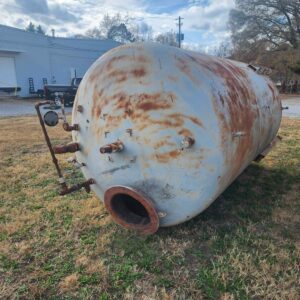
(251, 198)
(247, 203)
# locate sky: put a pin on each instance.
(204, 21)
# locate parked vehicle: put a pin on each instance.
(68, 92)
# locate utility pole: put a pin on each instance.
(179, 30)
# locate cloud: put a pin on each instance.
(204, 23)
(62, 14)
(202, 26)
(38, 9)
(33, 6)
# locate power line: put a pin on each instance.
(179, 30)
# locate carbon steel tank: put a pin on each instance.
(164, 131)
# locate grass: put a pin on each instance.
(244, 246)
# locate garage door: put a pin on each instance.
(7, 72)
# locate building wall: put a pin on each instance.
(39, 56)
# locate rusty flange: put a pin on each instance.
(132, 210)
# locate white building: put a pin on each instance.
(25, 55)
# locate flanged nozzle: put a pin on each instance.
(117, 146)
(131, 209)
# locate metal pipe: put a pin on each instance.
(61, 149)
(48, 142)
(86, 185)
(113, 147)
(69, 148)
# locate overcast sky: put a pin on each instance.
(204, 24)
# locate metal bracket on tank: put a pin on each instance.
(51, 119)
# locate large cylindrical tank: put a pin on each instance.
(164, 131)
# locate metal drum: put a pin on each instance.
(164, 131)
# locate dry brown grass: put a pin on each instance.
(246, 245)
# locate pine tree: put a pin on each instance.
(40, 30)
(30, 27)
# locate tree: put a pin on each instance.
(93, 33)
(30, 27)
(120, 28)
(274, 21)
(35, 29)
(168, 38)
(120, 33)
(296, 67)
(40, 30)
(108, 22)
(267, 32)
(223, 50)
(116, 27)
(143, 32)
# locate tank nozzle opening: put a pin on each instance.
(131, 209)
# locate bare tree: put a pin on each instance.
(110, 25)
(296, 67)
(168, 38)
(267, 32)
(143, 32)
(93, 33)
(274, 21)
(223, 50)
(120, 33)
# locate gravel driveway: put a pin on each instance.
(293, 104)
(20, 107)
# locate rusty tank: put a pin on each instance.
(164, 131)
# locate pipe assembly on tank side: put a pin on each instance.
(164, 131)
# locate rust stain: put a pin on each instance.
(96, 109)
(118, 75)
(139, 58)
(195, 121)
(234, 111)
(163, 143)
(115, 59)
(138, 72)
(167, 156)
(171, 120)
(152, 105)
(142, 59)
(185, 132)
(155, 101)
(145, 102)
(272, 90)
(184, 66)
(97, 112)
